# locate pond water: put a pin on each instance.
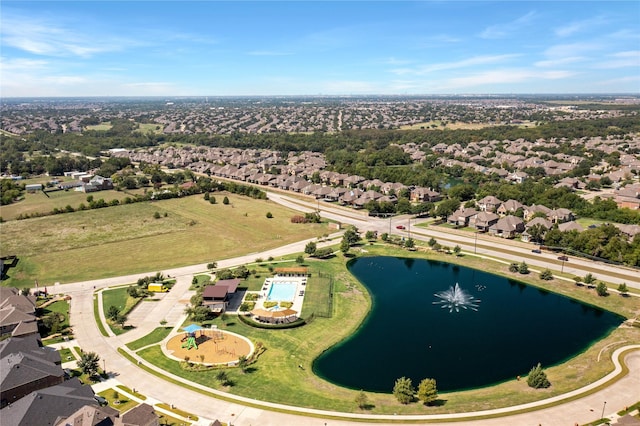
(488, 330)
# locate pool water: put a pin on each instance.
(282, 291)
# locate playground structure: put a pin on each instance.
(189, 341)
(213, 347)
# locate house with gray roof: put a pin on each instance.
(45, 407)
(24, 372)
(507, 227)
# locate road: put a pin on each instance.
(171, 309)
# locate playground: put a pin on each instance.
(208, 346)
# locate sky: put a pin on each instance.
(268, 48)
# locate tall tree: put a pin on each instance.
(427, 391)
(403, 390)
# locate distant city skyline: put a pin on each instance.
(294, 48)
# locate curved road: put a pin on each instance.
(170, 308)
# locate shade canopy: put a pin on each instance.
(192, 328)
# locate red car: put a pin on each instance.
(400, 227)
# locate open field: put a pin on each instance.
(127, 239)
(40, 203)
(277, 376)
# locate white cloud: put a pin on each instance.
(48, 38)
(505, 76)
(578, 26)
(560, 61)
(503, 30)
(464, 63)
(561, 51)
(620, 60)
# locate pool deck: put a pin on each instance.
(298, 297)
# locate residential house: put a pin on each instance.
(488, 203)
(484, 220)
(507, 227)
(22, 373)
(560, 215)
(421, 195)
(509, 207)
(570, 226)
(462, 216)
(529, 212)
(46, 406)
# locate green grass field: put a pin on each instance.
(40, 203)
(128, 239)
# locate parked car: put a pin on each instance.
(563, 258)
(400, 227)
(538, 251)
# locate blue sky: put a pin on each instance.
(215, 48)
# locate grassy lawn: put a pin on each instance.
(277, 376)
(154, 337)
(40, 203)
(98, 243)
(118, 400)
(66, 355)
(61, 307)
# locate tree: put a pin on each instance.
(601, 289)
(88, 363)
(403, 390)
(427, 391)
(523, 268)
(457, 250)
(546, 275)
(113, 312)
(589, 279)
(212, 265)
(225, 200)
(351, 235)
(447, 207)
(310, 248)
(212, 200)
(409, 243)
(269, 215)
(344, 246)
(362, 400)
(538, 378)
(622, 288)
(300, 259)
(370, 235)
(513, 267)
(243, 363)
(536, 232)
(432, 242)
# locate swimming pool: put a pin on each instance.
(282, 291)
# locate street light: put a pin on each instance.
(603, 405)
(475, 245)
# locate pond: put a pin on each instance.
(491, 329)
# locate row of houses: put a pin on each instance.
(499, 218)
(34, 388)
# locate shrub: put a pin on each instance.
(601, 289)
(538, 378)
(225, 200)
(269, 215)
(427, 391)
(546, 275)
(513, 267)
(403, 390)
(523, 268)
(622, 288)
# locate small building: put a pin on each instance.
(216, 297)
(33, 187)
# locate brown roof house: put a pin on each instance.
(462, 216)
(489, 203)
(507, 227)
(216, 297)
(484, 220)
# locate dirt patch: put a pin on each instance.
(214, 347)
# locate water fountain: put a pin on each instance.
(456, 298)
